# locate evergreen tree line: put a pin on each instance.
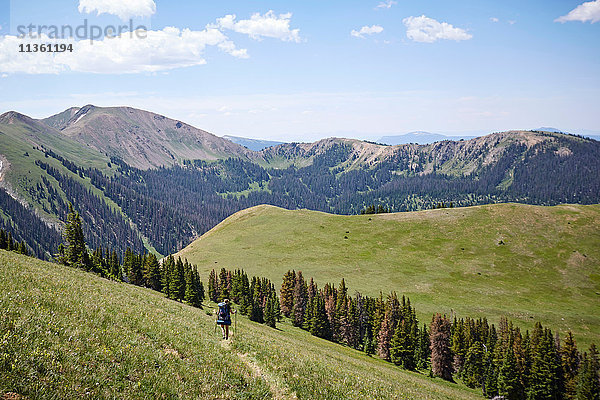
(178, 280)
(256, 297)
(501, 361)
(7, 243)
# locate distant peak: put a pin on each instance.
(82, 112)
(11, 116)
(87, 107)
(550, 129)
(421, 133)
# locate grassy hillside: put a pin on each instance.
(69, 334)
(529, 263)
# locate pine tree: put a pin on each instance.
(190, 290)
(75, 250)
(98, 262)
(300, 300)
(474, 367)
(402, 345)
(491, 373)
(544, 379)
(276, 308)
(377, 317)
(236, 291)
(152, 272)
(459, 345)
(352, 326)
(287, 293)
(270, 319)
(423, 352)
(23, 248)
(509, 383)
(384, 338)
(115, 267)
(388, 326)
(368, 346)
(10, 245)
(308, 314)
(177, 281)
(441, 355)
(339, 324)
(256, 314)
(320, 323)
(245, 295)
(199, 289)
(3, 241)
(213, 286)
(166, 274)
(588, 381)
(224, 285)
(132, 268)
(570, 365)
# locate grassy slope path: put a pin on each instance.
(68, 334)
(530, 263)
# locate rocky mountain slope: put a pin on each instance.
(141, 138)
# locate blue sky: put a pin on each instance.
(295, 71)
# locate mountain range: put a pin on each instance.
(252, 144)
(143, 180)
(419, 137)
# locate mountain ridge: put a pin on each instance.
(420, 137)
(141, 138)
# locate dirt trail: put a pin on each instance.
(279, 393)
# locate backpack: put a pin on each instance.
(223, 313)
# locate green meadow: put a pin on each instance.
(529, 263)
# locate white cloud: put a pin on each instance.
(122, 9)
(11, 60)
(386, 4)
(366, 30)
(153, 51)
(259, 26)
(588, 11)
(512, 22)
(428, 30)
(142, 51)
(494, 19)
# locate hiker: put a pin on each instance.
(224, 317)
